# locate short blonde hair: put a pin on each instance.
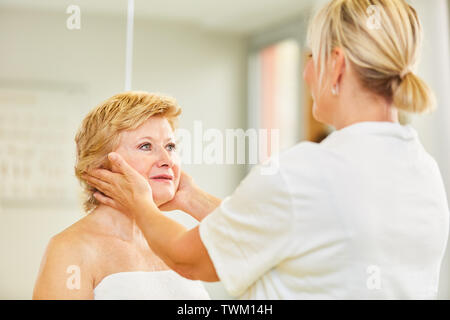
(383, 54)
(99, 132)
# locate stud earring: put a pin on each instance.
(335, 90)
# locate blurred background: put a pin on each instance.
(230, 64)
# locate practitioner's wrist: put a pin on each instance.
(191, 202)
(144, 208)
(201, 203)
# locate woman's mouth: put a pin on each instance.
(162, 178)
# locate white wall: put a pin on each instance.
(204, 71)
(434, 129)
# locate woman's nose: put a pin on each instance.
(164, 159)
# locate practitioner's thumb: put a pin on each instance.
(119, 164)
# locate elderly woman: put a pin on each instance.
(363, 214)
(105, 255)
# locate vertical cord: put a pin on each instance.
(129, 46)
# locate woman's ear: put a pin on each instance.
(338, 66)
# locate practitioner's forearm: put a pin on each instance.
(201, 204)
(181, 249)
(161, 233)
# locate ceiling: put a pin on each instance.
(239, 16)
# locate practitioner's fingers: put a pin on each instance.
(106, 200)
(121, 165)
(98, 184)
(103, 174)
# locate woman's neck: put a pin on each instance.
(365, 108)
(117, 223)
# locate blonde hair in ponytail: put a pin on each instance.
(383, 54)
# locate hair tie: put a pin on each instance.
(405, 72)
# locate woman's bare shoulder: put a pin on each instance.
(79, 238)
(70, 253)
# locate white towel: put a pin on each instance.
(140, 285)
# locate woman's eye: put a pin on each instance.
(146, 146)
(171, 147)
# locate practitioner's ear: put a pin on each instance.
(338, 66)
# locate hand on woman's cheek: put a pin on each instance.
(163, 189)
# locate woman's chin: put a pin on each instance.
(162, 192)
(160, 199)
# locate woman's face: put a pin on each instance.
(150, 150)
